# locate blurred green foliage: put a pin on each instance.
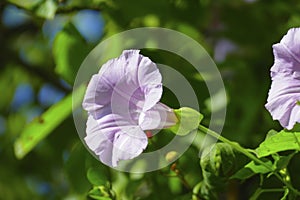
(59, 167)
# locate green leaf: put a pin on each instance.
(243, 174)
(41, 126)
(10, 78)
(253, 168)
(99, 197)
(281, 162)
(47, 9)
(271, 133)
(69, 51)
(97, 176)
(188, 120)
(196, 191)
(100, 193)
(42, 8)
(217, 164)
(281, 141)
(27, 4)
(260, 169)
(15, 123)
(75, 168)
(220, 159)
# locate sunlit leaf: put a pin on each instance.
(41, 126)
(281, 141)
(47, 9)
(100, 193)
(69, 50)
(253, 168)
(99, 197)
(28, 4)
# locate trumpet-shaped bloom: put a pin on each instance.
(284, 95)
(122, 102)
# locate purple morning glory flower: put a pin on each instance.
(284, 95)
(122, 101)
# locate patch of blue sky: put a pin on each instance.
(49, 95)
(90, 24)
(24, 95)
(53, 26)
(13, 16)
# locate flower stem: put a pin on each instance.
(247, 153)
(180, 175)
(273, 190)
(234, 145)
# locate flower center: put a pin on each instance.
(149, 134)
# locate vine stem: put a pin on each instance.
(244, 151)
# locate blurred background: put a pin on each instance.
(43, 43)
